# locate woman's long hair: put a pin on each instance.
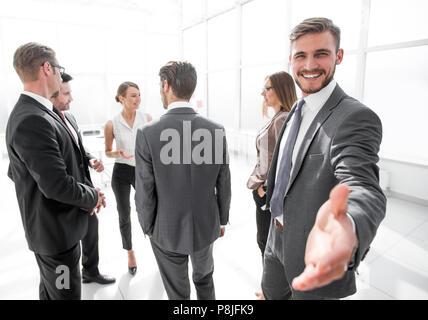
(283, 85)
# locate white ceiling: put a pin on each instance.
(147, 6)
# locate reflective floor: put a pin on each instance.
(395, 268)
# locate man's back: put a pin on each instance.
(183, 173)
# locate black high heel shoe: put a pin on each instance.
(132, 270)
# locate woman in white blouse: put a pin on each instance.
(123, 129)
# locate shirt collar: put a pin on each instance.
(42, 100)
(180, 104)
(318, 99)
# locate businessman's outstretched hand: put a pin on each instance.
(330, 243)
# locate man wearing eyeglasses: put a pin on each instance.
(49, 175)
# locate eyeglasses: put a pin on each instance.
(266, 89)
(61, 69)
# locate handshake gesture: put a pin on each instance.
(101, 202)
(330, 243)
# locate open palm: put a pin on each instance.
(330, 243)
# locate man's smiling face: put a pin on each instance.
(313, 61)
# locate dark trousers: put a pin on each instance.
(173, 268)
(122, 180)
(60, 275)
(263, 219)
(90, 252)
(275, 284)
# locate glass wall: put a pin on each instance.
(396, 87)
(396, 78)
(395, 21)
(234, 45)
(263, 26)
(100, 44)
(385, 44)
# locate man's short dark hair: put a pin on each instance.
(66, 77)
(181, 77)
(316, 25)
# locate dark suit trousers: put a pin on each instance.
(60, 275)
(90, 252)
(174, 271)
(122, 179)
(275, 284)
(263, 219)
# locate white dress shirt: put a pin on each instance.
(126, 136)
(180, 104)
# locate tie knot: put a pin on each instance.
(300, 104)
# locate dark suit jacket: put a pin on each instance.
(49, 175)
(340, 146)
(180, 205)
(86, 156)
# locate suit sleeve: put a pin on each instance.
(223, 186)
(354, 157)
(145, 187)
(88, 156)
(36, 144)
(9, 173)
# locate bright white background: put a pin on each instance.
(100, 43)
(234, 45)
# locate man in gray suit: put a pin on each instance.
(182, 185)
(329, 142)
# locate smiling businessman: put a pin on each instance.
(323, 184)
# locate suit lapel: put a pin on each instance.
(319, 119)
(55, 113)
(73, 123)
(70, 119)
(43, 108)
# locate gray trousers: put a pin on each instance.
(275, 284)
(173, 268)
